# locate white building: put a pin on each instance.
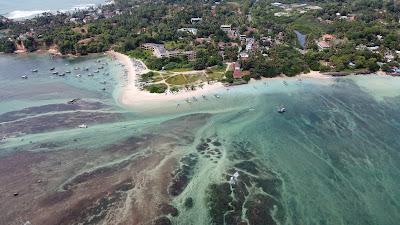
(188, 30)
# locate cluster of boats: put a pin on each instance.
(86, 69)
(61, 74)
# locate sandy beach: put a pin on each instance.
(132, 96)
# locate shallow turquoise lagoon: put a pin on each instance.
(332, 158)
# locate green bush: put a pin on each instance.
(156, 88)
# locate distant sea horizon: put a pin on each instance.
(19, 9)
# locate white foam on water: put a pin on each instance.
(20, 14)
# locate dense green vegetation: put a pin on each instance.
(124, 26)
(156, 88)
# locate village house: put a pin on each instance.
(159, 51)
(237, 73)
(322, 45)
(188, 30)
(196, 20)
(250, 44)
(244, 56)
(226, 28)
(232, 33)
(326, 41)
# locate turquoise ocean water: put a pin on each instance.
(332, 158)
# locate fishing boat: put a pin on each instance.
(90, 75)
(73, 100)
(281, 109)
(35, 70)
(68, 71)
(83, 126)
(24, 77)
(55, 72)
(96, 71)
(217, 96)
(52, 68)
(78, 75)
(61, 74)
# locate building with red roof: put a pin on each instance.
(237, 73)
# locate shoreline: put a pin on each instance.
(133, 96)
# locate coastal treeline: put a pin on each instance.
(345, 35)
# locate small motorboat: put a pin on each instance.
(217, 96)
(73, 100)
(35, 70)
(96, 71)
(281, 109)
(55, 72)
(61, 74)
(78, 75)
(90, 75)
(24, 77)
(52, 68)
(83, 126)
(68, 71)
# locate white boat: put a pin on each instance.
(35, 70)
(24, 77)
(281, 110)
(83, 126)
(78, 75)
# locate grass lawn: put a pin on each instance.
(177, 80)
(192, 78)
(218, 68)
(216, 72)
(215, 76)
